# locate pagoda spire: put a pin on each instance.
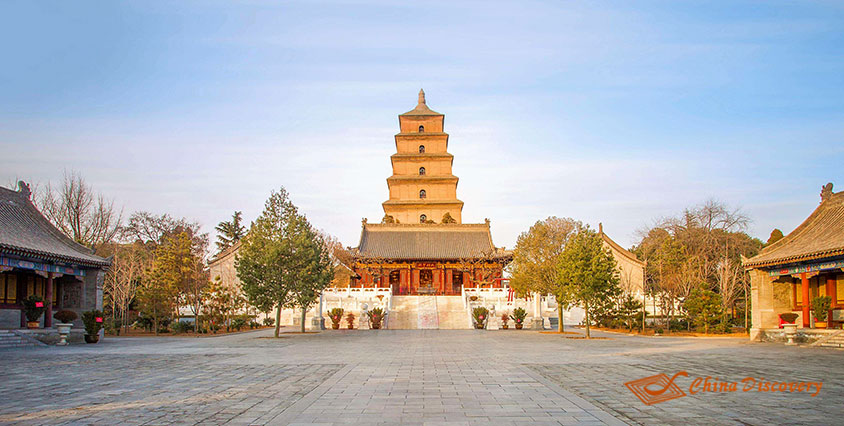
(421, 97)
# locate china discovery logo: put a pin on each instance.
(660, 388)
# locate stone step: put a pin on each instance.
(831, 344)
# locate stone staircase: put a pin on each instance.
(427, 313)
(452, 314)
(11, 339)
(403, 314)
(834, 341)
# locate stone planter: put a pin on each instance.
(92, 338)
(64, 331)
(820, 324)
(33, 324)
(790, 330)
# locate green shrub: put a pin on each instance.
(182, 327)
(375, 317)
(335, 315)
(93, 321)
(113, 326)
(254, 324)
(480, 315)
(519, 315)
(269, 321)
(65, 316)
(31, 309)
(237, 324)
(820, 308)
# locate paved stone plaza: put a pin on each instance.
(414, 377)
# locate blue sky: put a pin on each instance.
(614, 112)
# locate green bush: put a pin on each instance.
(93, 321)
(519, 315)
(480, 315)
(31, 309)
(820, 308)
(182, 327)
(237, 324)
(65, 316)
(269, 321)
(254, 324)
(113, 326)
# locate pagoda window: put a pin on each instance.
(423, 194)
(421, 129)
(423, 218)
(421, 171)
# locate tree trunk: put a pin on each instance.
(304, 313)
(588, 335)
(277, 319)
(154, 321)
(560, 326)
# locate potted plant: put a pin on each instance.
(65, 322)
(479, 315)
(820, 310)
(505, 317)
(33, 308)
(350, 320)
(519, 315)
(93, 323)
(375, 317)
(336, 315)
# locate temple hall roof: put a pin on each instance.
(25, 232)
(428, 242)
(820, 236)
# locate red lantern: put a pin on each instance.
(98, 319)
(39, 304)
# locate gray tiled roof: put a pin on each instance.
(820, 236)
(26, 233)
(452, 241)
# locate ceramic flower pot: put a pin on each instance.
(519, 326)
(92, 338)
(33, 324)
(820, 324)
(504, 326)
(335, 326)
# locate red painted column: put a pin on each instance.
(467, 280)
(414, 281)
(804, 285)
(48, 294)
(449, 283)
(404, 279)
(830, 291)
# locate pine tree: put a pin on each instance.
(230, 232)
(590, 270)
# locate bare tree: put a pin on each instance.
(83, 215)
(124, 276)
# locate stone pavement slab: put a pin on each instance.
(424, 377)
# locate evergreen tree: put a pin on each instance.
(230, 232)
(282, 262)
(590, 270)
(776, 235)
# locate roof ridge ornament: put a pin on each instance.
(23, 188)
(422, 97)
(826, 192)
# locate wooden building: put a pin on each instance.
(37, 259)
(806, 263)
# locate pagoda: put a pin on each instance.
(422, 187)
